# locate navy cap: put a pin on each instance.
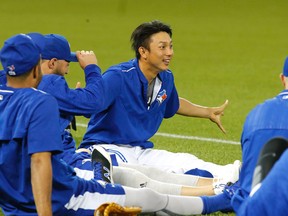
(19, 55)
(285, 69)
(58, 47)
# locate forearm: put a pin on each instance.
(41, 179)
(187, 108)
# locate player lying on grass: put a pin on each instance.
(56, 52)
(34, 180)
(265, 121)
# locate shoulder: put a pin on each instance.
(51, 80)
(36, 97)
(124, 67)
(166, 75)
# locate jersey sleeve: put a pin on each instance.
(44, 129)
(80, 101)
(112, 86)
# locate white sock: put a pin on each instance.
(183, 205)
(133, 178)
(147, 199)
(163, 176)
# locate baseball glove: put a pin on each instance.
(113, 209)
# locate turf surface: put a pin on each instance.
(223, 50)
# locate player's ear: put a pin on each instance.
(283, 80)
(143, 52)
(52, 63)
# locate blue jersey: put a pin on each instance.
(272, 197)
(264, 122)
(126, 117)
(80, 101)
(29, 123)
(3, 78)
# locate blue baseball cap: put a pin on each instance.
(58, 47)
(19, 55)
(38, 39)
(285, 69)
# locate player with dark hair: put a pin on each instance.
(57, 55)
(34, 180)
(139, 94)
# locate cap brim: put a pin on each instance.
(73, 57)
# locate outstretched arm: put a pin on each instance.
(187, 108)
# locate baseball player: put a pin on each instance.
(265, 121)
(33, 178)
(269, 188)
(138, 95)
(56, 56)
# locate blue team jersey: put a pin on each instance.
(80, 101)
(126, 117)
(3, 78)
(272, 197)
(29, 123)
(265, 121)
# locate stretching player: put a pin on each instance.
(138, 95)
(269, 194)
(57, 56)
(33, 178)
(265, 121)
(85, 101)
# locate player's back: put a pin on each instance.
(24, 117)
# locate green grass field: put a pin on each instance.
(223, 50)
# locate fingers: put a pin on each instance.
(78, 85)
(223, 106)
(83, 52)
(218, 112)
(86, 57)
(221, 127)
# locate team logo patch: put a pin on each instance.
(11, 71)
(161, 96)
(1, 97)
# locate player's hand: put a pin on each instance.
(86, 58)
(78, 85)
(216, 113)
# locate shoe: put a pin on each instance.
(102, 165)
(229, 191)
(219, 187)
(232, 173)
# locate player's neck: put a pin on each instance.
(149, 72)
(20, 82)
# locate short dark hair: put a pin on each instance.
(141, 35)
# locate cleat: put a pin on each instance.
(102, 165)
(230, 189)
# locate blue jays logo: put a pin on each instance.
(161, 96)
(11, 69)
